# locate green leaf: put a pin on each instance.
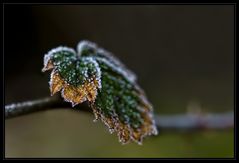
(93, 74)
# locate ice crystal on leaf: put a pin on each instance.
(93, 74)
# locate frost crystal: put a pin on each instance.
(95, 75)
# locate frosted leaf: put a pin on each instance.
(95, 75)
(89, 48)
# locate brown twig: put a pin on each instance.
(186, 121)
(27, 107)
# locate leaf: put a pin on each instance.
(93, 74)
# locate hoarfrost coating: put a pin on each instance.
(97, 76)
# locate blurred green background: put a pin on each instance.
(180, 53)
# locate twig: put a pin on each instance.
(27, 107)
(22, 108)
(186, 121)
(191, 121)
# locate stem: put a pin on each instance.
(22, 108)
(188, 121)
(191, 121)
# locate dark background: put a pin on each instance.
(182, 54)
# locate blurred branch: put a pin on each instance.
(191, 121)
(187, 121)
